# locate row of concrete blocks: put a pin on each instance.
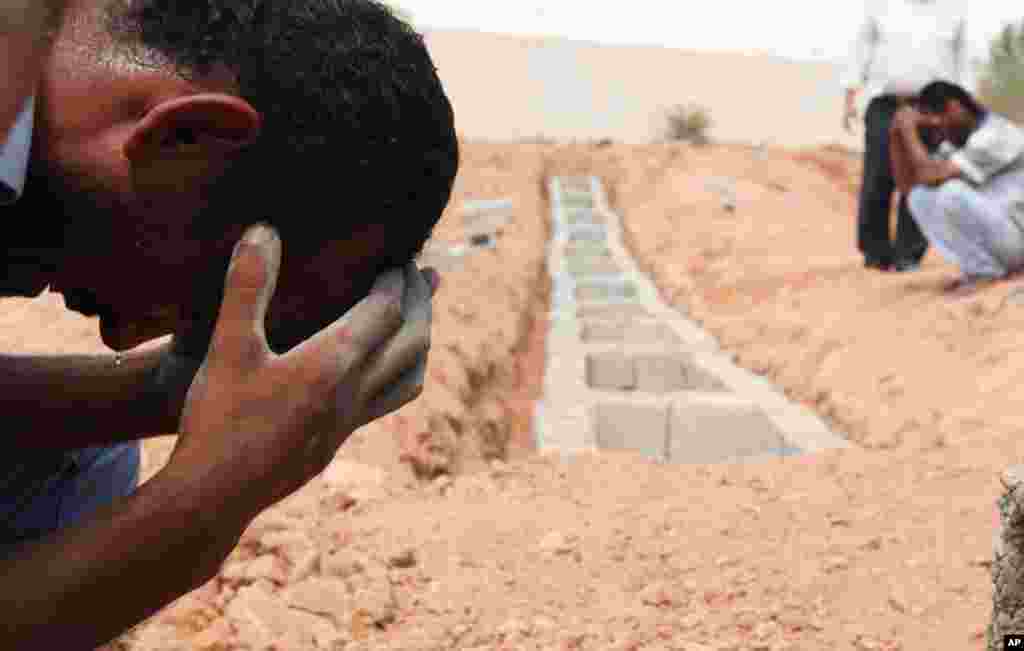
(802, 430)
(653, 372)
(695, 428)
(646, 393)
(612, 336)
(596, 305)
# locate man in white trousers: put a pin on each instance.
(900, 46)
(968, 198)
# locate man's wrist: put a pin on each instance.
(204, 505)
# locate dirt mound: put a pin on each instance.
(885, 546)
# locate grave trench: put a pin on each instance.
(625, 372)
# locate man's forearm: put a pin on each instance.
(919, 167)
(84, 586)
(901, 170)
(78, 401)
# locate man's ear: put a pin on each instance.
(209, 125)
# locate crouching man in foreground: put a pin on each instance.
(156, 133)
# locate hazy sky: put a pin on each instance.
(786, 27)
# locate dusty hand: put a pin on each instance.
(256, 426)
(181, 357)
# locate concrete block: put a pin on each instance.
(650, 332)
(577, 195)
(587, 248)
(610, 371)
(477, 207)
(697, 379)
(584, 217)
(703, 430)
(585, 257)
(607, 327)
(605, 289)
(616, 311)
(648, 372)
(485, 224)
(659, 373)
(592, 293)
(638, 428)
(803, 428)
(576, 183)
(593, 265)
(576, 201)
(588, 234)
(603, 330)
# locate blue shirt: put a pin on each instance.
(14, 154)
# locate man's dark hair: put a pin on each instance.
(934, 97)
(357, 129)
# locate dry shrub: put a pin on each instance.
(1002, 80)
(688, 123)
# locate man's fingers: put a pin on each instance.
(343, 347)
(402, 351)
(239, 337)
(405, 390)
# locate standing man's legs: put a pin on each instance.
(877, 185)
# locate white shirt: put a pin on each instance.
(995, 147)
(14, 154)
(902, 45)
(992, 160)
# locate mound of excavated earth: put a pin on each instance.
(435, 529)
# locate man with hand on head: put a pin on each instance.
(968, 198)
(155, 134)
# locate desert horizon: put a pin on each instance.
(560, 89)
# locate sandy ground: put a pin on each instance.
(881, 547)
(552, 87)
(895, 536)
